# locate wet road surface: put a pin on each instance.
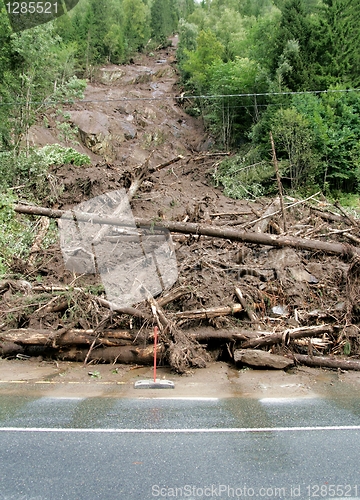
(196, 448)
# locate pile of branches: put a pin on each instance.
(266, 274)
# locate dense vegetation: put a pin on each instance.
(297, 62)
(291, 67)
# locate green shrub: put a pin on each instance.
(242, 177)
(31, 168)
(15, 234)
(54, 154)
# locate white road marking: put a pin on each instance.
(179, 398)
(214, 430)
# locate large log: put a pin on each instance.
(267, 339)
(205, 230)
(262, 359)
(327, 362)
(123, 354)
(206, 334)
(30, 336)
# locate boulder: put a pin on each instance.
(263, 359)
(99, 133)
(111, 74)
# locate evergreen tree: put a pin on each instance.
(300, 28)
(163, 19)
(137, 29)
(342, 32)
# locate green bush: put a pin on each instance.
(15, 234)
(244, 177)
(21, 168)
(54, 154)
(30, 168)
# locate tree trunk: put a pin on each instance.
(52, 338)
(205, 334)
(284, 337)
(213, 312)
(205, 230)
(327, 362)
(123, 354)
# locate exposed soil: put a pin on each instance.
(284, 288)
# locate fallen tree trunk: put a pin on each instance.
(165, 164)
(123, 310)
(327, 362)
(205, 230)
(123, 354)
(328, 215)
(213, 312)
(53, 338)
(267, 339)
(222, 335)
(30, 336)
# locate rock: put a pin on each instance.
(99, 132)
(129, 130)
(90, 122)
(111, 74)
(302, 275)
(263, 359)
(280, 310)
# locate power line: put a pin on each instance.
(176, 98)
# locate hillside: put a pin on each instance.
(129, 119)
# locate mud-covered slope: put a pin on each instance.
(128, 111)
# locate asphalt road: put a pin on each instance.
(140, 449)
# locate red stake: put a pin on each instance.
(155, 345)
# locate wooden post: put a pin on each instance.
(278, 180)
